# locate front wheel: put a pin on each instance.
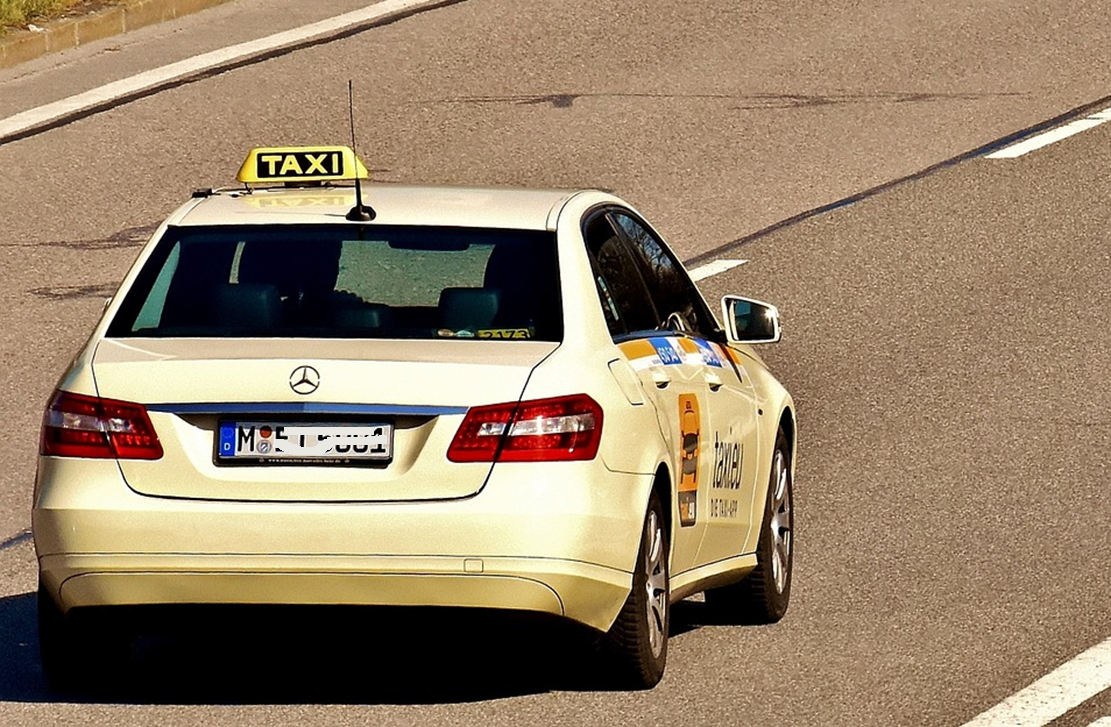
(637, 642)
(763, 595)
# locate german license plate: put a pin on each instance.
(271, 441)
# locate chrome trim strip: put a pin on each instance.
(294, 407)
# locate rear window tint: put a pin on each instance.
(346, 281)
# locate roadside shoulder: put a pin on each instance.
(25, 45)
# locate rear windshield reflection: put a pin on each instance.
(345, 281)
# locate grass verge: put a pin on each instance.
(16, 14)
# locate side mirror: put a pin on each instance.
(750, 321)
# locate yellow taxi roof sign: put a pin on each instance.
(301, 164)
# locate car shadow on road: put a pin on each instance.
(20, 674)
(269, 655)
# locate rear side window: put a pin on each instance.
(677, 302)
(346, 281)
(621, 291)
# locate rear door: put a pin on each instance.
(667, 365)
(720, 495)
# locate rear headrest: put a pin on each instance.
(248, 305)
(468, 308)
(509, 265)
(291, 265)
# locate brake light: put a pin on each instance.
(87, 426)
(562, 429)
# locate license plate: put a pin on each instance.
(291, 441)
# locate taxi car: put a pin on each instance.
(312, 389)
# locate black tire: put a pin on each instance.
(77, 654)
(763, 595)
(636, 644)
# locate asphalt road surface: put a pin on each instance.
(947, 336)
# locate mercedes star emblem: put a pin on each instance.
(304, 380)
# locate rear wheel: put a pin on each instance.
(637, 641)
(762, 597)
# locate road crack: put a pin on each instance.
(15, 540)
(127, 237)
(75, 292)
(745, 102)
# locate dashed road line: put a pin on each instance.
(981, 151)
(1052, 136)
(142, 84)
(711, 269)
(1066, 687)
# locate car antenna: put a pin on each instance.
(358, 213)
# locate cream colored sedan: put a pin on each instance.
(473, 398)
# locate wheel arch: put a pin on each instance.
(788, 426)
(663, 488)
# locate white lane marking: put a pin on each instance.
(1053, 135)
(711, 269)
(1064, 688)
(149, 79)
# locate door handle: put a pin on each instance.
(661, 378)
(713, 380)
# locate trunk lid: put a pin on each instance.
(420, 389)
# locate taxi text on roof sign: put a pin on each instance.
(301, 164)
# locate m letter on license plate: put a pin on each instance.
(313, 442)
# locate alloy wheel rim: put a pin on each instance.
(655, 562)
(781, 522)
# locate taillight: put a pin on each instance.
(86, 426)
(544, 430)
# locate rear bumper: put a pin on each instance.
(584, 593)
(558, 540)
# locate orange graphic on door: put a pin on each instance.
(689, 430)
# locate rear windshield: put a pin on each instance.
(346, 281)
